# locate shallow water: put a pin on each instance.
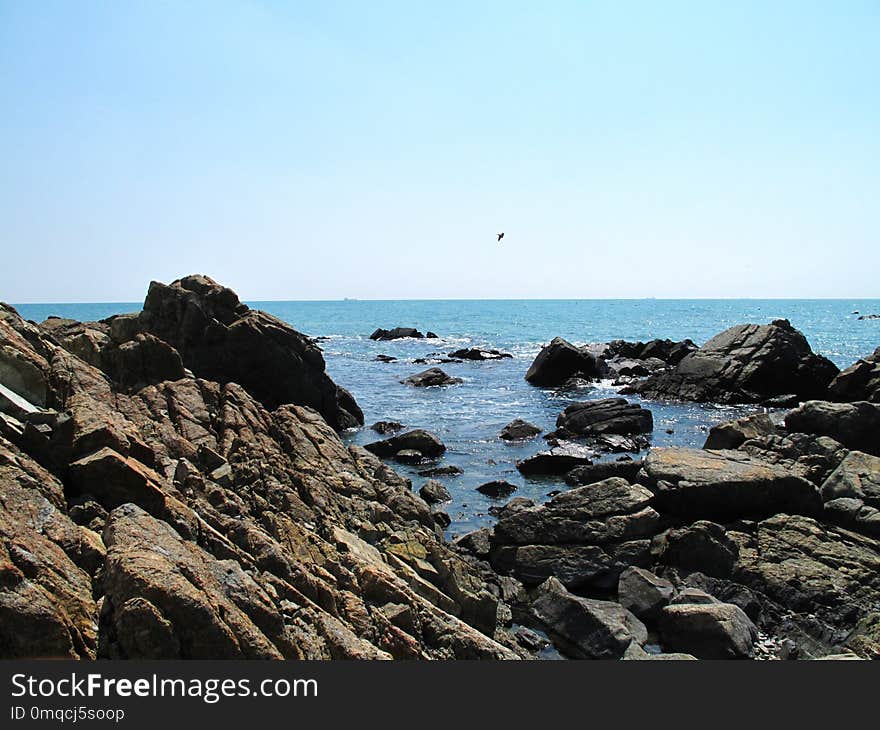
(468, 417)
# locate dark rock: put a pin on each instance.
(643, 593)
(409, 456)
(586, 628)
(724, 485)
(855, 425)
(858, 477)
(703, 546)
(733, 434)
(221, 339)
(417, 440)
(396, 333)
(433, 492)
(384, 427)
(575, 566)
(557, 460)
(442, 471)
(746, 364)
(860, 381)
(497, 489)
(519, 430)
(385, 358)
(514, 505)
(559, 361)
(476, 353)
(477, 543)
(606, 416)
(870, 316)
(708, 631)
(442, 519)
(581, 475)
(430, 378)
(431, 336)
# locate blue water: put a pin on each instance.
(468, 417)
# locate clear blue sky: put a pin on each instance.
(317, 150)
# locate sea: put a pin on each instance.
(468, 417)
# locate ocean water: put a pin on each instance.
(469, 416)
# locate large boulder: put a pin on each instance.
(590, 474)
(586, 628)
(519, 430)
(418, 439)
(746, 364)
(708, 630)
(860, 381)
(221, 339)
(724, 485)
(559, 361)
(559, 459)
(857, 477)
(855, 425)
(732, 434)
(606, 416)
(643, 593)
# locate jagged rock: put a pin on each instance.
(865, 637)
(557, 460)
(429, 378)
(221, 339)
(477, 543)
(724, 485)
(643, 593)
(703, 546)
(853, 514)
(397, 333)
(582, 475)
(745, 364)
(497, 489)
(609, 511)
(708, 631)
(519, 430)
(476, 353)
(417, 440)
(559, 361)
(587, 628)
(385, 427)
(858, 477)
(433, 492)
(860, 381)
(732, 434)
(606, 416)
(855, 425)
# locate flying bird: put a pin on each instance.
(501, 235)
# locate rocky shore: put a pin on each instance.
(174, 486)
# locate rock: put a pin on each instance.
(559, 361)
(864, 640)
(582, 475)
(745, 364)
(586, 628)
(385, 358)
(858, 477)
(577, 567)
(141, 361)
(606, 416)
(643, 593)
(477, 543)
(733, 434)
(442, 519)
(416, 440)
(431, 377)
(855, 425)
(724, 485)
(853, 514)
(708, 631)
(514, 505)
(442, 471)
(605, 512)
(433, 492)
(860, 381)
(870, 316)
(475, 353)
(703, 546)
(409, 456)
(431, 335)
(519, 430)
(557, 460)
(221, 339)
(496, 489)
(397, 333)
(384, 427)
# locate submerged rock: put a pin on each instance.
(425, 442)
(430, 378)
(476, 353)
(519, 430)
(496, 489)
(397, 333)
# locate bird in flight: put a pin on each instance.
(500, 236)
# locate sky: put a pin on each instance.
(321, 150)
